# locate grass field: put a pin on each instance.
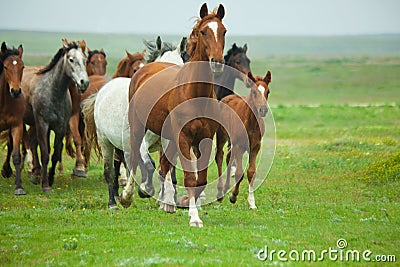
(336, 175)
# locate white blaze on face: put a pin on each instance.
(214, 27)
(261, 89)
(14, 62)
(141, 65)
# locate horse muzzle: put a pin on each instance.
(216, 66)
(15, 93)
(262, 111)
(82, 85)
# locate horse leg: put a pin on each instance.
(137, 133)
(6, 171)
(36, 168)
(251, 176)
(219, 156)
(189, 181)
(79, 169)
(147, 167)
(168, 201)
(56, 157)
(42, 130)
(107, 150)
(237, 155)
(16, 156)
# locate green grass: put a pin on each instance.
(335, 175)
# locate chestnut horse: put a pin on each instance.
(158, 88)
(48, 104)
(251, 109)
(12, 108)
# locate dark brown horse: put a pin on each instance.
(158, 90)
(250, 109)
(12, 108)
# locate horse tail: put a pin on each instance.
(90, 139)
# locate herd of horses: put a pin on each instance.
(173, 101)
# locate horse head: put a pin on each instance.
(259, 92)
(12, 65)
(208, 38)
(236, 57)
(96, 62)
(75, 64)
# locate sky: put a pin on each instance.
(242, 17)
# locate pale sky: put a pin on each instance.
(243, 17)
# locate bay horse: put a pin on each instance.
(152, 103)
(251, 109)
(12, 108)
(107, 129)
(48, 104)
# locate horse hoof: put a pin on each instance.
(196, 224)
(35, 180)
(117, 198)
(233, 199)
(46, 189)
(143, 193)
(253, 207)
(19, 192)
(169, 208)
(220, 199)
(113, 207)
(125, 203)
(6, 172)
(79, 173)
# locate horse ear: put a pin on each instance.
(127, 53)
(82, 44)
(101, 50)
(144, 52)
(182, 45)
(65, 42)
(20, 51)
(3, 47)
(234, 46)
(268, 77)
(88, 50)
(158, 43)
(203, 10)
(245, 48)
(221, 12)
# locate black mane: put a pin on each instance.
(94, 52)
(61, 52)
(233, 51)
(8, 53)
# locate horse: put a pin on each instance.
(235, 58)
(251, 109)
(48, 104)
(106, 132)
(150, 109)
(12, 108)
(96, 62)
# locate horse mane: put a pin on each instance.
(94, 52)
(61, 52)
(4, 56)
(192, 43)
(154, 52)
(233, 51)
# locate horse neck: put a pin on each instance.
(250, 109)
(57, 79)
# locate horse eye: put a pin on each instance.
(71, 60)
(203, 33)
(237, 62)
(254, 93)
